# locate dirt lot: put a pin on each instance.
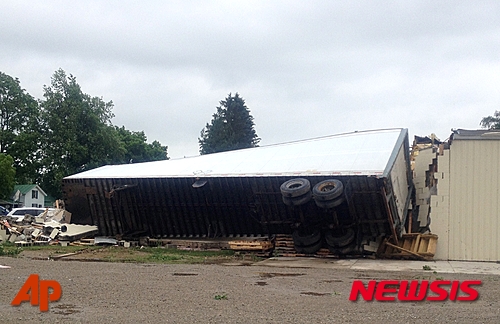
(104, 292)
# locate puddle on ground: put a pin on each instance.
(184, 274)
(278, 274)
(311, 293)
(261, 283)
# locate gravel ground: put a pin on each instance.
(100, 292)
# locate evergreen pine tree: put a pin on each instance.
(231, 128)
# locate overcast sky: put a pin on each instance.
(305, 68)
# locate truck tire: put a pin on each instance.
(311, 249)
(328, 190)
(306, 239)
(338, 241)
(327, 204)
(295, 187)
(297, 201)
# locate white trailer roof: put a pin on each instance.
(357, 153)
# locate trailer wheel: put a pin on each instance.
(295, 187)
(337, 241)
(330, 203)
(328, 190)
(297, 201)
(310, 249)
(301, 238)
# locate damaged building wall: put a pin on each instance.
(465, 210)
(422, 172)
(440, 206)
(474, 200)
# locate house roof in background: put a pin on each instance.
(24, 189)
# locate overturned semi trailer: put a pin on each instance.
(348, 189)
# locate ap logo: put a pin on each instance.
(38, 292)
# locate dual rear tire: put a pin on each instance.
(307, 242)
(341, 241)
(328, 193)
(296, 192)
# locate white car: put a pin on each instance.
(19, 213)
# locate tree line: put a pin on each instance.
(66, 132)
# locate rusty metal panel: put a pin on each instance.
(221, 208)
(474, 232)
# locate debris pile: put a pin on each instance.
(50, 227)
(414, 246)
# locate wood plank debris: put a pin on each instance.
(60, 256)
(411, 246)
(284, 247)
(250, 245)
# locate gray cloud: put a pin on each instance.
(305, 69)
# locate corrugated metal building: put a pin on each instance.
(238, 192)
(465, 212)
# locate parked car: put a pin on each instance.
(3, 210)
(20, 212)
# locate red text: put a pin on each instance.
(38, 292)
(405, 290)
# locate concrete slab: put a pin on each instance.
(389, 265)
(384, 265)
(476, 267)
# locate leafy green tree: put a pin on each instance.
(65, 133)
(135, 148)
(19, 129)
(76, 131)
(231, 128)
(491, 122)
(7, 176)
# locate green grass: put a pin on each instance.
(57, 249)
(121, 254)
(221, 297)
(9, 249)
(161, 255)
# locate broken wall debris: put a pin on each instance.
(49, 227)
(424, 164)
